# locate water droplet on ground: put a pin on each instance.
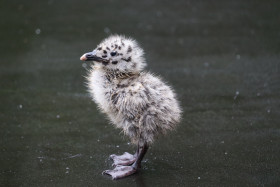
(37, 31)
(236, 94)
(238, 57)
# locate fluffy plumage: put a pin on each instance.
(137, 102)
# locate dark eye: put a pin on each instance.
(113, 53)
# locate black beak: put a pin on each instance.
(91, 56)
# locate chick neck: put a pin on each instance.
(115, 74)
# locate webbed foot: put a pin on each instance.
(120, 172)
(127, 164)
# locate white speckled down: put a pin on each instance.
(138, 102)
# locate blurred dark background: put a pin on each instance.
(222, 58)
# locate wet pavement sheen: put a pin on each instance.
(222, 58)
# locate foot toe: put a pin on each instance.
(113, 156)
(106, 172)
(120, 172)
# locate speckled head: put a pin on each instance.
(117, 53)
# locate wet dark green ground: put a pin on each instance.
(222, 58)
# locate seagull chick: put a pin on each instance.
(137, 102)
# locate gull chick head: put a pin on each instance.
(117, 53)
